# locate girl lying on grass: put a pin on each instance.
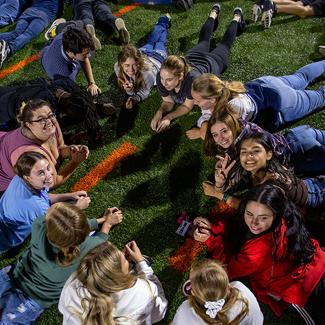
(213, 300)
(302, 147)
(59, 241)
(174, 81)
(27, 198)
(103, 291)
(270, 102)
(137, 69)
(268, 243)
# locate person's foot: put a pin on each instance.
(123, 32)
(267, 13)
(257, 10)
(321, 49)
(91, 31)
(239, 16)
(51, 32)
(165, 20)
(4, 52)
(215, 11)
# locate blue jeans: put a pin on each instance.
(9, 11)
(156, 43)
(287, 95)
(94, 12)
(316, 192)
(29, 25)
(308, 149)
(15, 306)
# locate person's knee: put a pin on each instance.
(306, 11)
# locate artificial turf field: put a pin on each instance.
(165, 174)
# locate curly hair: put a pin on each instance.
(76, 40)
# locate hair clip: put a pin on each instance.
(213, 307)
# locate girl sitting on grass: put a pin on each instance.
(59, 241)
(268, 243)
(27, 198)
(270, 102)
(213, 300)
(136, 69)
(103, 291)
(302, 147)
(174, 81)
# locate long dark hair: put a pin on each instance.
(299, 245)
(283, 176)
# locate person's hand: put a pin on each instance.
(79, 153)
(193, 134)
(223, 166)
(202, 223)
(163, 125)
(133, 252)
(210, 190)
(127, 85)
(113, 216)
(93, 89)
(83, 202)
(129, 103)
(77, 195)
(156, 121)
(201, 234)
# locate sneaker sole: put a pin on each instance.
(91, 31)
(123, 32)
(256, 12)
(266, 19)
(55, 23)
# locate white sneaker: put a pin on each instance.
(91, 31)
(122, 31)
(51, 32)
(321, 49)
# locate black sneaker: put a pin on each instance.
(217, 8)
(241, 24)
(4, 52)
(267, 13)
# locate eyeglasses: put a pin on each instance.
(43, 120)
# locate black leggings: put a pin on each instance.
(221, 52)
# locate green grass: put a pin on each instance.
(165, 176)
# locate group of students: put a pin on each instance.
(255, 173)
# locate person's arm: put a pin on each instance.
(166, 106)
(92, 87)
(197, 132)
(180, 111)
(80, 198)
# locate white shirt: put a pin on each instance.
(244, 106)
(142, 304)
(186, 315)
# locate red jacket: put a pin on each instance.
(273, 277)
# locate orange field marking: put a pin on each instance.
(21, 64)
(104, 167)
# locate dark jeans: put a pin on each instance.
(95, 12)
(221, 53)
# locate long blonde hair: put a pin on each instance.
(100, 272)
(210, 282)
(210, 86)
(66, 227)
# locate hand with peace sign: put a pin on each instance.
(222, 168)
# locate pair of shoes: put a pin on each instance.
(91, 31)
(4, 52)
(268, 11)
(241, 24)
(123, 32)
(165, 20)
(321, 49)
(51, 32)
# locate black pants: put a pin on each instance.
(94, 12)
(221, 53)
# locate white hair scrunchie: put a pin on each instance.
(213, 307)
